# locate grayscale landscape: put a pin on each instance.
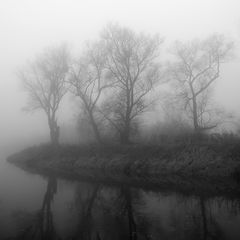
(120, 120)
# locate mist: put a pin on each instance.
(30, 26)
(119, 119)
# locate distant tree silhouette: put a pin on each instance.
(132, 65)
(45, 83)
(88, 82)
(196, 68)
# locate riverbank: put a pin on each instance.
(210, 169)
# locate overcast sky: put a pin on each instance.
(28, 26)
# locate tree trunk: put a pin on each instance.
(125, 134)
(54, 132)
(95, 128)
(195, 115)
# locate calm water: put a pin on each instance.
(37, 207)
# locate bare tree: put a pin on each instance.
(132, 66)
(45, 82)
(196, 68)
(87, 80)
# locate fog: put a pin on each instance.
(119, 119)
(28, 26)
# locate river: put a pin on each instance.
(48, 207)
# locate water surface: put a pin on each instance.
(39, 207)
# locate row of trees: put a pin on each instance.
(115, 75)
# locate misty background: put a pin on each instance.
(28, 27)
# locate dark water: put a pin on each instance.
(37, 207)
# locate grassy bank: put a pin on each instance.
(206, 167)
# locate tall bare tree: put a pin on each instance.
(88, 82)
(196, 68)
(45, 82)
(132, 66)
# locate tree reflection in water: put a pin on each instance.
(42, 226)
(84, 203)
(46, 218)
(106, 213)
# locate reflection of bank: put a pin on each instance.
(203, 224)
(210, 227)
(105, 213)
(85, 203)
(129, 209)
(42, 228)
